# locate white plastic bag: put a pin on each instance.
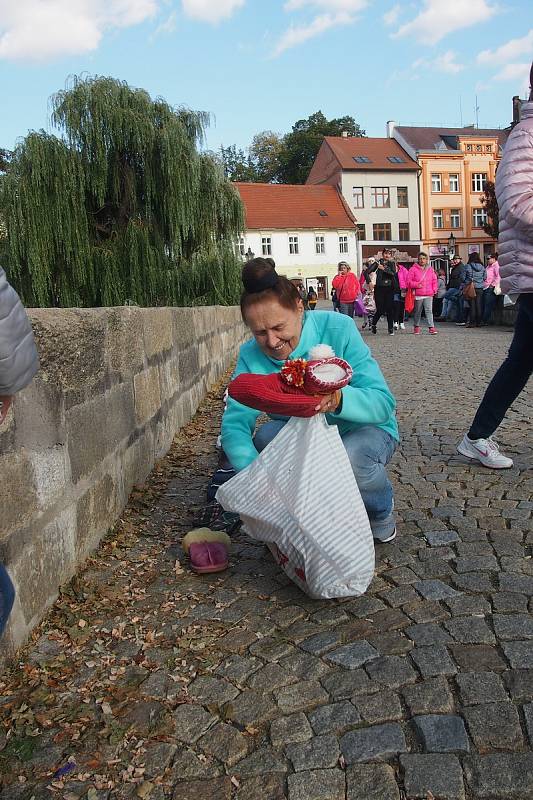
(507, 301)
(300, 497)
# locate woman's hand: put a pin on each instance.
(328, 402)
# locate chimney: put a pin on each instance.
(391, 124)
(344, 134)
(517, 105)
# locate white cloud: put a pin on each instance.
(391, 16)
(37, 30)
(166, 27)
(446, 63)
(514, 72)
(298, 34)
(335, 6)
(507, 52)
(211, 10)
(441, 17)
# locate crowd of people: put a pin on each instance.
(395, 290)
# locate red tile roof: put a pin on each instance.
(377, 150)
(289, 207)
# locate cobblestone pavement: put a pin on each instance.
(147, 681)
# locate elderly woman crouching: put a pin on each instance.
(364, 411)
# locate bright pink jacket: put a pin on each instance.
(403, 277)
(427, 277)
(493, 276)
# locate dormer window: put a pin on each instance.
(362, 159)
(396, 159)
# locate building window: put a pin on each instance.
(455, 218)
(382, 231)
(362, 160)
(293, 245)
(436, 182)
(479, 180)
(403, 231)
(479, 148)
(343, 244)
(438, 221)
(380, 197)
(454, 181)
(479, 217)
(469, 148)
(320, 247)
(489, 148)
(402, 197)
(396, 159)
(266, 245)
(361, 232)
(358, 198)
(241, 246)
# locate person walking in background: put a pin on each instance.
(386, 284)
(438, 300)
(19, 364)
(491, 289)
(368, 280)
(346, 285)
(475, 274)
(514, 195)
(423, 280)
(399, 297)
(312, 298)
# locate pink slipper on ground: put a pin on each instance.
(208, 557)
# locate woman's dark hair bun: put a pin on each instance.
(258, 275)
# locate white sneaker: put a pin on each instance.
(402, 326)
(388, 539)
(486, 451)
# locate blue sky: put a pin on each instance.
(262, 64)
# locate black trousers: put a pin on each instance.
(399, 310)
(384, 297)
(511, 377)
(476, 308)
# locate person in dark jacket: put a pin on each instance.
(312, 298)
(387, 285)
(453, 296)
(475, 273)
(18, 365)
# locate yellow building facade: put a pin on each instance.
(455, 165)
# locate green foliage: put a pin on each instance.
(122, 208)
(489, 202)
(285, 159)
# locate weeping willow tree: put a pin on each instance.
(121, 206)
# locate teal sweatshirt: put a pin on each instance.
(367, 400)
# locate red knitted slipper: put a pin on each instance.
(270, 394)
(208, 557)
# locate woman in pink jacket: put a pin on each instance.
(491, 288)
(423, 280)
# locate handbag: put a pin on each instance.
(409, 300)
(469, 291)
(359, 307)
(321, 540)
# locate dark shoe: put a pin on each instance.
(374, 329)
(215, 518)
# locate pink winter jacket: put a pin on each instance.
(514, 193)
(427, 277)
(493, 276)
(403, 277)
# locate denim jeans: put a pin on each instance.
(489, 301)
(7, 596)
(346, 308)
(453, 297)
(369, 449)
(425, 303)
(511, 377)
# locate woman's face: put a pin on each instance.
(276, 329)
(423, 260)
(343, 270)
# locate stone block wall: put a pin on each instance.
(114, 388)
